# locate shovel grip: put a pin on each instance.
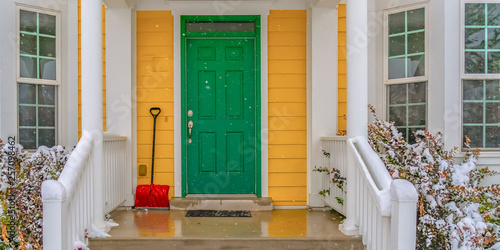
(155, 111)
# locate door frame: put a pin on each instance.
(256, 35)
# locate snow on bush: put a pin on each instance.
(454, 211)
(45, 164)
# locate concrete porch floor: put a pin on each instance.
(277, 229)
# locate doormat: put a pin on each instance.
(218, 213)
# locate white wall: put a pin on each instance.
(68, 90)
(323, 92)
(444, 100)
(119, 82)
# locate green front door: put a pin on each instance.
(221, 108)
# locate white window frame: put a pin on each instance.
(56, 82)
(416, 79)
(464, 76)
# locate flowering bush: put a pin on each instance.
(20, 192)
(454, 212)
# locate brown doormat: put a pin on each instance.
(218, 213)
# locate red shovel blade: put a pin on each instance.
(152, 196)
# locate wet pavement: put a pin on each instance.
(277, 229)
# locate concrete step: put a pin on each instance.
(243, 243)
(222, 203)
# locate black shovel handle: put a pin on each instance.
(154, 114)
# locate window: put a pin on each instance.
(405, 76)
(481, 75)
(37, 77)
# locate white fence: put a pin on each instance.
(91, 184)
(385, 209)
(334, 157)
(115, 171)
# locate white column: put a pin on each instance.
(92, 113)
(119, 83)
(357, 93)
(324, 90)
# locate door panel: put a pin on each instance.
(221, 93)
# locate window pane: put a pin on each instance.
(27, 138)
(494, 14)
(475, 134)
(473, 90)
(220, 27)
(28, 44)
(416, 66)
(416, 19)
(493, 38)
(38, 117)
(493, 112)
(397, 23)
(416, 115)
(397, 94)
(404, 132)
(46, 137)
(27, 67)
(398, 115)
(46, 117)
(474, 38)
(47, 24)
(27, 93)
(492, 137)
(27, 21)
(416, 42)
(397, 68)
(473, 113)
(416, 92)
(48, 69)
(474, 14)
(397, 45)
(411, 134)
(493, 62)
(474, 62)
(47, 46)
(46, 94)
(27, 116)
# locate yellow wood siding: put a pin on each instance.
(342, 64)
(80, 68)
(287, 109)
(155, 86)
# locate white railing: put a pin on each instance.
(115, 170)
(68, 202)
(334, 157)
(92, 183)
(385, 209)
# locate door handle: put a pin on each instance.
(190, 127)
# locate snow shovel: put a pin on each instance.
(152, 195)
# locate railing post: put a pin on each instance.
(54, 215)
(404, 200)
